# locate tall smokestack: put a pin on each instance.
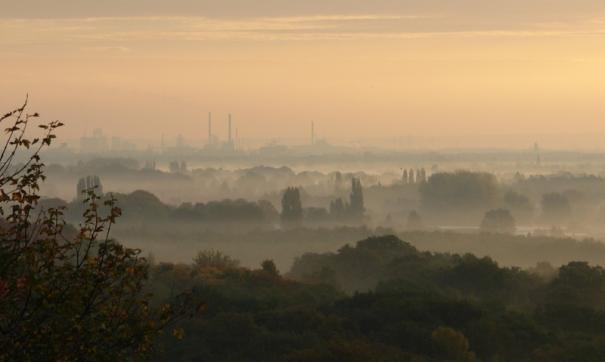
(312, 132)
(209, 128)
(230, 139)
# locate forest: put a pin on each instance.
(381, 299)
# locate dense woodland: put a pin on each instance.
(383, 300)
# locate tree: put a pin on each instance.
(214, 259)
(414, 221)
(519, 204)
(337, 208)
(556, 208)
(65, 294)
(421, 176)
(448, 193)
(578, 283)
(498, 221)
(337, 182)
(453, 344)
(292, 211)
(356, 207)
(411, 177)
(270, 268)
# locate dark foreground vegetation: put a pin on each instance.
(66, 293)
(383, 300)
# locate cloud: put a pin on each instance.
(280, 8)
(117, 34)
(107, 49)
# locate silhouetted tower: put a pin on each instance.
(404, 177)
(312, 133)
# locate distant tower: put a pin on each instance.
(312, 133)
(209, 128)
(537, 151)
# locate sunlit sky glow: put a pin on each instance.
(510, 71)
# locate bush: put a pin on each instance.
(65, 294)
(498, 221)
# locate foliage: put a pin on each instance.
(556, 208)
(214, 259)
(454, 345)
(445, 193)
(414, 221)
(519, 204)
(338, 208)
(144, 206)
(498, 221)
(356, 205)
(423, 307)
(269, 267)
(65, 294)
(292, 211)
(352, 211)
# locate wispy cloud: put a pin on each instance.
(119, 33)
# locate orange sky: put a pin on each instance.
(359, 70)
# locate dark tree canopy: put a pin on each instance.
(292, 211)
(459, 192)
(556, 208)
(498, 221)
(356, 205)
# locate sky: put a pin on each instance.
(459, 73)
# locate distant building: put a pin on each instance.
(97, 143)
(121, 145)
(86, 184)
